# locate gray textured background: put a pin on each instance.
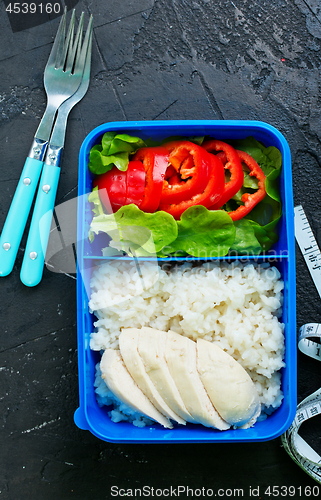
(152, 59)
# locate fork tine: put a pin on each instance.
(72, 54)
(59, 40)
(81, 57)
(68, 41)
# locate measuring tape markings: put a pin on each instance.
(308, 346)
(308, 246)
(298, 449)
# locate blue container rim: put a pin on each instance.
(224, 124)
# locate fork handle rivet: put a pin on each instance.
(6, 246)
(33, 255)
(26, 181)
(46, 188)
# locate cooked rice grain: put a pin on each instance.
(237, 305)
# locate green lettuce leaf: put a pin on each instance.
(266, 235)
(269, 159)
(94, 198)
(145, 231)
(250, 181)
(115, 149)
(100, 164)
(246, 242)
(196, 140)
(106, 141)
(131, 249)
(271, 185)
(203, 233)
(265, 212)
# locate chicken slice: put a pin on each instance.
(180, 354)
(128, 343)
(151, 347)
(228, 385)
(122, 385)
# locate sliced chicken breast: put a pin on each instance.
(151, 347)
(180, 355)
(128, 343)
(228, 385)
(122, 385)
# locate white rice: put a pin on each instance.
(236, 305)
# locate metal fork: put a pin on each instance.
(34, 257)
(62, 77)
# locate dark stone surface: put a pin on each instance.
(152, 59)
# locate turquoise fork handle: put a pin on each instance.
(34, 257)
(17, 217)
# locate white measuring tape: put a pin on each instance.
(308, 246)
(298, 449)
(295, 445)
(308, 346)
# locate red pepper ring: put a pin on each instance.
(191, 171)
(250, 200)
(155, 161)
(232, 163)
(210, 195)
(171, 176)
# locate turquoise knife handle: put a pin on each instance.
(34, 257)
(17, 217)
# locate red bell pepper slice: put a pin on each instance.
(232, 163)
(250, 200)
(171, 176)
(187, 173)
(112, 188)
(155, 162)
(118, 188)
(210, 195)
(135, 182)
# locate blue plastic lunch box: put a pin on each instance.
(89, 416)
